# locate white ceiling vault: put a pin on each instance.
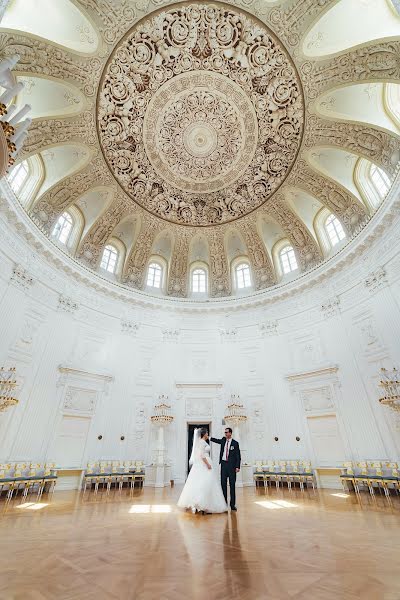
(203, 131)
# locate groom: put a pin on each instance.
(229, 459)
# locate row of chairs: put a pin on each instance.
(372, 475)
(114, 472)
(284, 471)
(27, 477)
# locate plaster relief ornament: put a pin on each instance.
(200, 114)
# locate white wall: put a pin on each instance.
(309, 354)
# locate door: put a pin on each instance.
(70, 441)
(191, 428)
(326, 441)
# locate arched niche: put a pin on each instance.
(93, 204)
(62, 160)
(336, 164)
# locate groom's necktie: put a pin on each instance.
(227, 449)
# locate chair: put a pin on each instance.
(392, 478)
(347, 476)
(307, 475)
(363, 477)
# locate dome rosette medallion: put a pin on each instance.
(200, 114)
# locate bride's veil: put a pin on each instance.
(195, 447)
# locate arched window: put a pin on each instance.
(243, 279)
(380, 180)
(288, 260)
(109, 259)
(154, 275)
(199, 281)
(18, 176)
(334, 230)
(63, 228)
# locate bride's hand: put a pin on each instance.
(209, 466)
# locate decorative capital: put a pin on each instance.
(331, 307)
(171, 335)
(67, 305)
(376, 280)
(21, 278)
(228, 335)
(269, 328)
(129, 327)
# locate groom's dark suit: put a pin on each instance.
(228, 467)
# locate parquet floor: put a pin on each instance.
(292, 546)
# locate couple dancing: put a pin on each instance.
(202, 491)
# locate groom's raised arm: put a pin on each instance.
(216, 440)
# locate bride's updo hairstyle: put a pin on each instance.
(203, 432)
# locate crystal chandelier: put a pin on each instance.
(235, 411)
(391, 386)
(8, 384)
(161, 414)
(13, 130)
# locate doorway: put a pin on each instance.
(191, 428)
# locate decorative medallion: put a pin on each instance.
(200, 114)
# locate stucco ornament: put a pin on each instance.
(200, 114)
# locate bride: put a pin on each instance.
(202, 491)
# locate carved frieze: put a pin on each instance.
(112, 16)
(263, 270)
(220, 283)
(49, 132)
(376, 62)
(370, 142)
(177, 280)
(339, 200)
(67, 191)
(39, 56)
(307, 250)
(134, 273)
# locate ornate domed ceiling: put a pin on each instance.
(201, 114)
(205, 132)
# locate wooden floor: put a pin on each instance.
(278, 546)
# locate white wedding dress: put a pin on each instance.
(202, 489)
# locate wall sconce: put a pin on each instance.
(99, 437)
(122, 438)
(276, 438)
(297, 438)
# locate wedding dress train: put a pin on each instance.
(202, 489)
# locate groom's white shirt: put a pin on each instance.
(227, 447)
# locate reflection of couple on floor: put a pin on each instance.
(202, 491)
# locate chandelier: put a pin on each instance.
(162, 414)
(8, 384)
(391, 386)
(13, 130)
(235, 411)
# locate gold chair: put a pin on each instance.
(348, 476)
(308, 474)
(364, 477)
(392, 479)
